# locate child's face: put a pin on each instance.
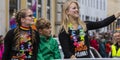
(45, 31)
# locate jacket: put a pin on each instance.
(10, 44)
(48, 49)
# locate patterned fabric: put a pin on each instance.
(48, 49)
(25, 48)
(77, 36)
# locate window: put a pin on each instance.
(87, 18)
(48, 9)
(101, 4)
(97, 4)
(13, 6)
(29, 0)
(39, 8)
(83, 17)
(83, 1)
(29, 3)
(104, 6)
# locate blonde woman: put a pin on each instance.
(73, 34)
(21, 43)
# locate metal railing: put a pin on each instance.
(94, 53)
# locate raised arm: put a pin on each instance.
(95, 25)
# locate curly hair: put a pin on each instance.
(42, 23)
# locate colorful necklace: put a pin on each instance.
(25, 44)
(77, 38)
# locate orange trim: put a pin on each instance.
(34, 27)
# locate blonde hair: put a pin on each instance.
(65, 17)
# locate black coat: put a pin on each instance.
(9, 43)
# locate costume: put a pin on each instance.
(76, 42)
(48, 49)
(27, 49)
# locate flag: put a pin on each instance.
(12, 23)
(33, 8)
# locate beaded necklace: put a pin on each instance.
(78, 39)
(25, 44)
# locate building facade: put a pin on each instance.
(92, 10)
(4, 5)
(58, 13)
(113, 7)
(44, 9)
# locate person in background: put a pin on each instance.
(22, 42)
(102, 48)
(1, 46)
(108, 47)
(115, 48)
(73, 34)
(48, 48)
(94, 43)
